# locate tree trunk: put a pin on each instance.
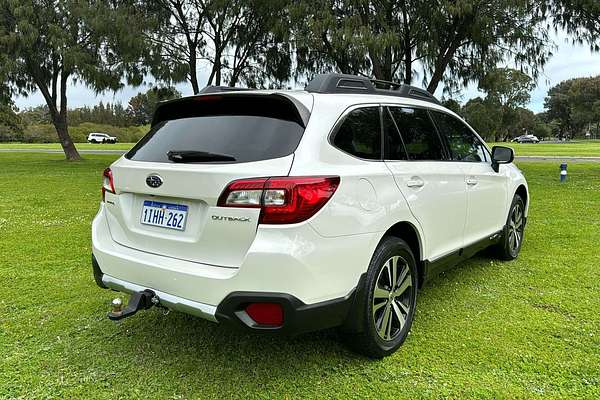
(235, 76)
(215, 73)
(408, 65)
(440, 67)
(435, 80)
(59, 118)
(218, 71)
(377, 71)
(193, 75)
(60, 124)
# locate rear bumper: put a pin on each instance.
(298, 317)
(311, 276)
(201, 310)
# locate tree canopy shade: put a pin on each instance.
(44, 44)
(454, 41)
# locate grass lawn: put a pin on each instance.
(575, 148)
(588, 148)
(56, 146)
(487, 329)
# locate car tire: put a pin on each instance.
(513, 233)
(385, 312)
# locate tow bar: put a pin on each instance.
(138, 301)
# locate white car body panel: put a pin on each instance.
(316, 260)
(437, 197)
(286, 259)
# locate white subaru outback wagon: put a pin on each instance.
(292, 211)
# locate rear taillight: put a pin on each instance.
(283, 200)
(107, 183)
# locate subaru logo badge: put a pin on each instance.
(154, 181)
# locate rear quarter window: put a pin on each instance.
(245, 128)
(360, 134)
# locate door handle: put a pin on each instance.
(471, 181)
(415, 182)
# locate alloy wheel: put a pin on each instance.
(515, 228)
(392, 298)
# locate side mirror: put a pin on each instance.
(501, 155)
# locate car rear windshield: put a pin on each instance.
(222, 129)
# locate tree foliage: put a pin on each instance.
(453, 41)
(142, 106)
(574, 105)
(507, 91)
(11, 124)
(45, 44)
(242, 41)
(581, 18)
(484, 117)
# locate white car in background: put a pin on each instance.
(95, 137)
(526, 139)
(292, 211)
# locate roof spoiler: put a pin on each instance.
(176, 108)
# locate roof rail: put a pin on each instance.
(217, 89)
(354, 84)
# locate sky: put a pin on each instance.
(568, 61)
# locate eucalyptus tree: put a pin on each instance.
(46, 44)
(575, 105)
(259, 53)
(508, 90)
(580, 18)
(469, 38)
(450, 41)
(11, 123)
(176, 39)
(240, 41)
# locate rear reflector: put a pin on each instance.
(282, 200)
(268, 314)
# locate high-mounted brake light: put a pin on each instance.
(107, 183)
(282, 200)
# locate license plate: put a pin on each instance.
(165, 215)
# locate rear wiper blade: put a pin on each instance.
(183, 156)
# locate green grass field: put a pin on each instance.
(589, 148)
(56, 146)
(486, 330)
(575, 148)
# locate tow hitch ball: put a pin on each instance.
(138, 301)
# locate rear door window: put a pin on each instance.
(360, 134)
(421, 140)
(463, 144)
(224, 129)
